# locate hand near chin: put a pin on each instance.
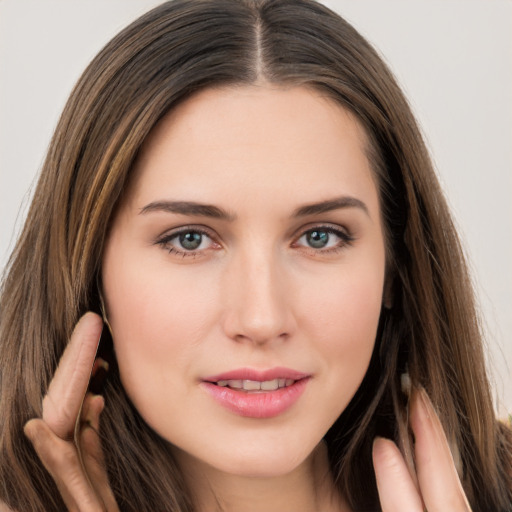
(67, 424)
(438, 487)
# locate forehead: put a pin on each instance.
(260, 138)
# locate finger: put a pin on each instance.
(437, 475)
(92, 453)
(63, 400)
(59, 457)
(397, 492)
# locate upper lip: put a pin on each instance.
(258, 375)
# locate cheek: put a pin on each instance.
(159, 318)
(342, 314)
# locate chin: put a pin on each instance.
(259, 461)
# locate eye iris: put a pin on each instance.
(318, 239)
(190, 240)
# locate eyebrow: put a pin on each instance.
(188, 208)
(330, 205)
(215, 212)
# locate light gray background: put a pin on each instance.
(453, 58)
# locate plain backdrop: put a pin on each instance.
(452, 57)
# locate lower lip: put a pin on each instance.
(266, 404)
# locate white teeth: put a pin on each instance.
(270, 385)
(256, 385)
(252, 385)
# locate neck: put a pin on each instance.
(309, 487)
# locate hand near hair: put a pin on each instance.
(66, 437)
(83, 483)
(440, 489)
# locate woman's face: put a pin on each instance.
(248, 253)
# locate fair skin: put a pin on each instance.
(263, 281)
(254, 294)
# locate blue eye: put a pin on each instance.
(190, 240)
(187, 242)
(317, 239)
(324, 239)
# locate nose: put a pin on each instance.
(258, 305)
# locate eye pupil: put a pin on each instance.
(191, 240)
(318, 239)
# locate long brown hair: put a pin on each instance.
(429, 328)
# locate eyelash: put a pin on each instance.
(165, 241)
(345, 240)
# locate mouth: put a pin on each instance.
(257, 394)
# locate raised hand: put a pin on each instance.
(439, 489)
(66, 438)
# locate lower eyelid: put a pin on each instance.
(183, 254)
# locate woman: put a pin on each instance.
(241, 191)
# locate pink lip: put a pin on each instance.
(262, 404)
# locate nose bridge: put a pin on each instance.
(258, 307)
